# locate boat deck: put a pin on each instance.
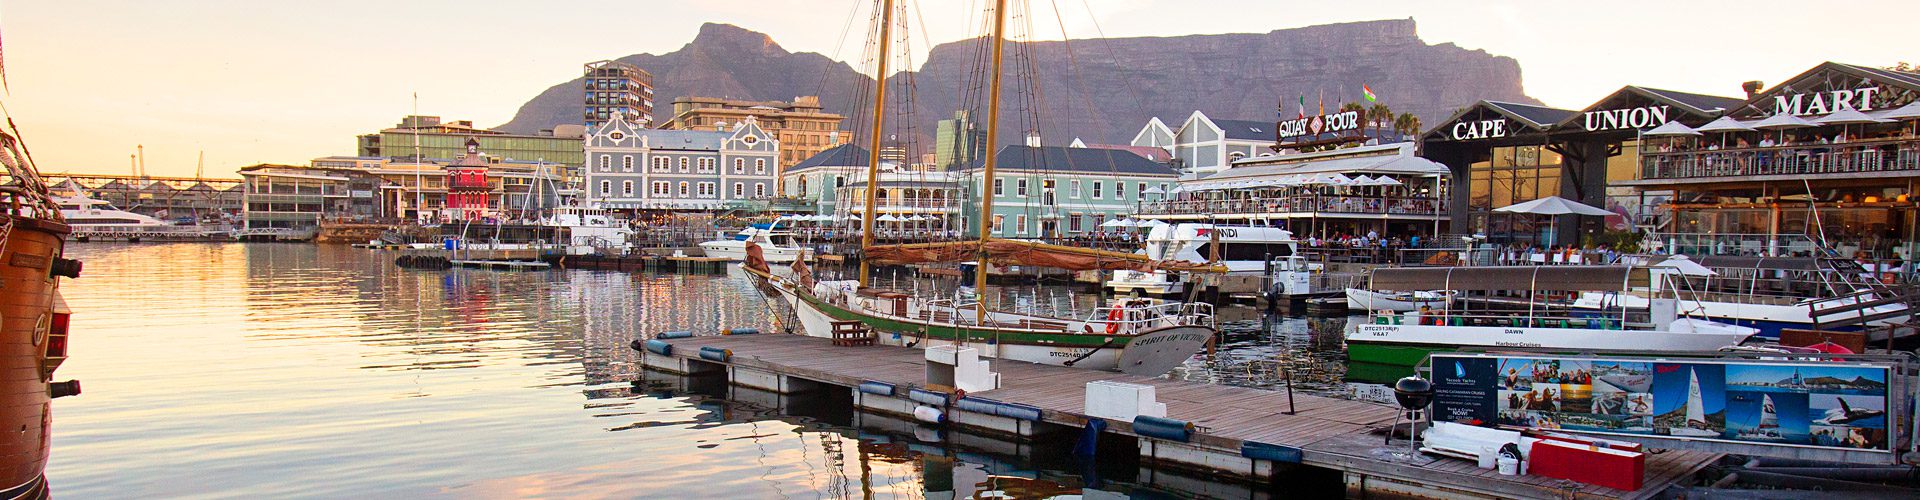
(1331, 433)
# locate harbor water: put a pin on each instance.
(291, 370)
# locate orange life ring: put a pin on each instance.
(1113, 316)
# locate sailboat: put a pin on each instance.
(1767, 427)
(1137, 336)
(1696, 424)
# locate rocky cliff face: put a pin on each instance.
(1104, 90)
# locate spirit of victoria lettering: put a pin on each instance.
(1820, 103)
(1638, 118)
(1481, 129)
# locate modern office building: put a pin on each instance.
(614, 88)
(447, 140)
(958, 141)
(801, 126)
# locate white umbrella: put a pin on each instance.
(887, 218)
(1339, 180)
(1782, 121)
(1554, 205)
(1671, 128)
(1386, 181)
(1362, 180)
(1154, 190)
(1725, 124)
(1152, 223)
(1911, 110)
(1848, 116)
(1118, 223)
(1686, 266)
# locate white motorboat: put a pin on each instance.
(587, 230)
(1244, 250)
(1755, 306)
(775, 245)
(1406, 338)
(82, 212)
(1371, 300)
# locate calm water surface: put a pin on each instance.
(230, 370)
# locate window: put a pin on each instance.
(626, 188)
(1096, 189)
(1074, 192)
(662, 188)
(708, 190)
(684, 192)
(1000, 224)
(662, 164)
(760, 166)
(626, 163)
(706, 165)
(1020, 223)
(1163, 187)
(1119, 190)
(759, 190)
(606, 162)
(683, 164)
(1020, 188)
(606, 188)
(739, 166)
(1142, 189)
(739, 190)
(999, 187)
(1073, 224)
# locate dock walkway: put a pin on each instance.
(1329, 433)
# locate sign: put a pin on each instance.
(1469, 130)
(1644, 117)
(1820, 405)
(1316, 125)
(1820, 103)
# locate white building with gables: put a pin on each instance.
(1204, 145)
(724, 168)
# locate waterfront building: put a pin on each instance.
(815, 181)
(614, 88)
(1382, 189)
(446, 140)
(957, 141)
(1059, 191)
(633, 168)
(1204, 145)
(801, 126)
(1157, 154)
(907, 202)
(299, 197)
(160, 197)
(467, 186)
(403, 189)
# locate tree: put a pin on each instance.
(1353, 106)
(1381, 116)
(1407, 123)
(1905, 67)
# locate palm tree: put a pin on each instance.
(1407, 124)
(1380, 115)
(1353, 106)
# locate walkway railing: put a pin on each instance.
(1801, 159)
(1368, 205)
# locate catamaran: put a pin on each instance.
(1696, 424)
(1137, 336)
(1407, 338)
(1766, 425)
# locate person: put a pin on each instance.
(1766, 142)
(1414, 241)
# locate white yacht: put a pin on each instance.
(83, 213)
(588, 230)
(1244, 250)
(775, 245)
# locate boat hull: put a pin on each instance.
(28, 292)
(737, 251)
(1770, 319)
(1368, 300)
(1410, 344)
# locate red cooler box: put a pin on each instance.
(1617, 469)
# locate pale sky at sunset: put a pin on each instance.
(263, 81)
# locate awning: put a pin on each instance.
(1554, 205)
(1671, 129)
(1492, 278)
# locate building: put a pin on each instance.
(681, 170)
(160, 197)
(1056, 191)
(447, 140)
(801, 126)
(614, 88)
(467, 186)
(1155, 153)
(958, 141)
(402, 189)
(299, 197)
(1382, 189)
(1205, 145)
(906, 201)
(816, 180)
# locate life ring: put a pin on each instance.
(1113, 317)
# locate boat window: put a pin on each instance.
(1246, 251)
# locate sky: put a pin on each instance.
(268, 81)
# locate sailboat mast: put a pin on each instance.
(879, 120)
(986, 185)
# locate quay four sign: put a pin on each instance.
(1316, 125)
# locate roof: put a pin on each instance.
(1064, 159)
(1245, 130)
(1559, 278)
(1149, 152)
(1540, 116)
(1394, 158)
(684, 139)
(844, 155)
(1701, 103)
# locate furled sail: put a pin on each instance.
(1026, 253)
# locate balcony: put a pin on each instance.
(908, 206)
(1851, 159)
(1334, 206)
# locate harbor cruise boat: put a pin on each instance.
(1406, 338)
(82, 212)
(1767, 293)
(776, 245)
(1244, 250)
(587, 230)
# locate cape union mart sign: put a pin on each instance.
(1473, 130)
(1820, 103)
(1636, 118)
(1316, 125)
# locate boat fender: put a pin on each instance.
(927, 397)
(929, 415)
(1113, 319)
(1089, 442)
(660, 347)
(711, 353)
(1017, 412)
(877, 388)
(1163, 428)
(743, 331)
(64, 389)
(1273, 452)
(65, 267)
(674, 335)
(977, 405)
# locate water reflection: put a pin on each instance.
(324, 371)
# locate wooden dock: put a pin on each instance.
(1328, 433)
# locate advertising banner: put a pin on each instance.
(1828, 405)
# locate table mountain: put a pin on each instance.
(1102, 90)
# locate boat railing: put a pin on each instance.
(1137, 318)
(1512, 320)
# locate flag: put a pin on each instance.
(1303, 105)
(1368, 91)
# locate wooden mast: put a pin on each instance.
(986, 185)
(873, 153)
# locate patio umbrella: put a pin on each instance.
(1118, 223)
(1387, 181)
(1686, 266)
(1154, 190)
(887, 218)
(1554, 205)
(1848, 116)
(1725, 124)
(1671, 129)
(1152, 223)
(1911, 110)
(1781, 122)
(1362, 180)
